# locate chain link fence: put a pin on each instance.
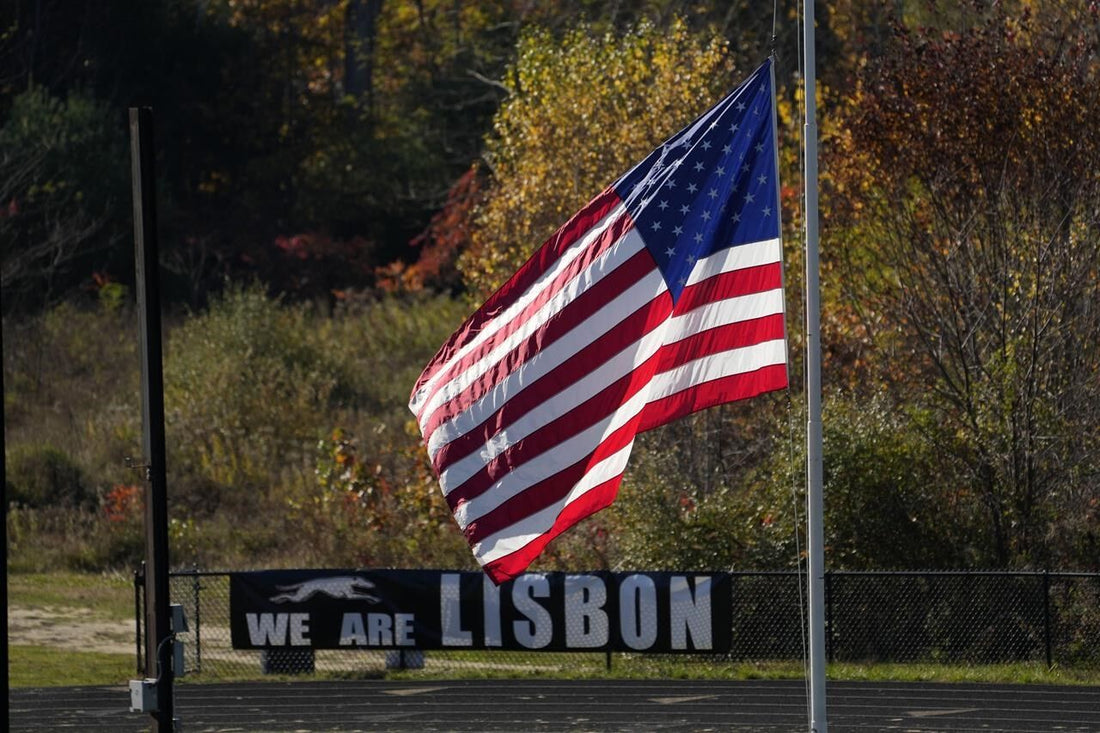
(967, 618)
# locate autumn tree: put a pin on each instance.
(967, 232)
(581, 109)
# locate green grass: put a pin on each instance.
(1019, 673)
(106, 596)
(658, 667)
(83, 596)
(38, 666)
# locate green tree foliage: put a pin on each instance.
(361, 497)
(279, 421)
(60, 193)
(371, 473)
(342, 121)
(367, 111)
(893, 498)
(72, 415)
(298, 422)
(711, 490)
(71, 381)
(339, 123)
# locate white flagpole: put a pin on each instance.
(814, 503)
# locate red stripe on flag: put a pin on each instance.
(598, 498)
(716, 392)
(631, 329)
(540, 495)
(583, 416)
(750, 280)
(575, 313)
(723, 338)
(572, 232)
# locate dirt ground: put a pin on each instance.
(68, 628)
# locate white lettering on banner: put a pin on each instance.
(352, 632)
(585, 620)
(490, 597)
(638, 611)
(267, 629)
(538, 630)
(270, 629)
(299, 628)
(380, 629)
(450, 611)
(403, 629)
(690, 613)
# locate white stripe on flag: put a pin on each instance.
(592, 383)
(724, 312)
(551, 356)
(716, 366)
(519, 535)
(754, 254)
(550, 462)
(522, 302)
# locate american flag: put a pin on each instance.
(662, 296)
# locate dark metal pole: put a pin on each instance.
(4, 526)
(158, 639)
(139, 584)
(197, 636)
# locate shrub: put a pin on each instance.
(54, 537)
(249, 385)
(708, 492)
(363, 512)
(43, 475)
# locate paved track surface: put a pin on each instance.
(558, 705)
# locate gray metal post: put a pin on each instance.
(158, 639)
(814, 472)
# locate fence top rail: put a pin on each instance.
(966, 573)
(194, 572)
(926, 573)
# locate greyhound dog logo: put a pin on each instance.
(343, 587)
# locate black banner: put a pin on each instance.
(434, 609)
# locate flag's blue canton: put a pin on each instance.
(711, 186)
